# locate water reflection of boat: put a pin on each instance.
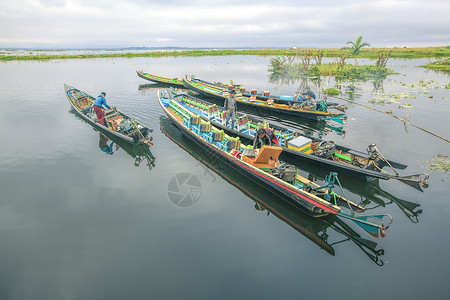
(326, 232)
(117, 123)
(375, 194)
(139, 152)
(151, 86)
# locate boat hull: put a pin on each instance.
(290, 194)
(159, 79)
(262, 108)
(331, 165)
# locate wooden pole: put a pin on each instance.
(403, 120)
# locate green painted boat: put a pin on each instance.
(175, 82)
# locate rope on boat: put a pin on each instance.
(392, 115)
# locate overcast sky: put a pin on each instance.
(231, 23)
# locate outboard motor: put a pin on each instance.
(325, 149)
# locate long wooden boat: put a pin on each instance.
(316, 230)
(215, 91)
(266, 95)
(175, 82)
(119, 124)
(265, 169)
(327, 154)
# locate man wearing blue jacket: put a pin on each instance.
(309, 92)
(304, 96)
(98, 108)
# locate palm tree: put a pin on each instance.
(356, 46)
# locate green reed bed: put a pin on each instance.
(430, 52)
(439, 65)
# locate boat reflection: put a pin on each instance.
(139, 152)
(326, 232)
(151, 86)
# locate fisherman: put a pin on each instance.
(266, 137)
(309, 93)
(230, 106)
(98, 108)
(304, 96)
(309, 103)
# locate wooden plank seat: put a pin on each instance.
(83, 102)
(266, 157)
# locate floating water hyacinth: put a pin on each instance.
(408, 105)
(440, 163)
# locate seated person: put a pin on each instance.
(266, 137)
(309, 103)
(304, 96)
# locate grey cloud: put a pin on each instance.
(232, 23)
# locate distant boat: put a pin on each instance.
(119, 124)
(175, 82)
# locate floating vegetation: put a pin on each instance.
(286, 67)
(440, 163)
(332, 92)
(440, 64)
(408, 105)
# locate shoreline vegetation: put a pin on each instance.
(440, 64)
(371, 53)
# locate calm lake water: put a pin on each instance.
(76, 223)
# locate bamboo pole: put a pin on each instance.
(392, 115)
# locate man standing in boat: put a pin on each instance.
(230, 106)
(266, 137)
(98, 108)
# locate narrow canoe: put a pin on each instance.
(266, 95)
(119, 124)
(175, 82)
(259, 168)
(217, 92)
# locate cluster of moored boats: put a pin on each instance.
(205, 123)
